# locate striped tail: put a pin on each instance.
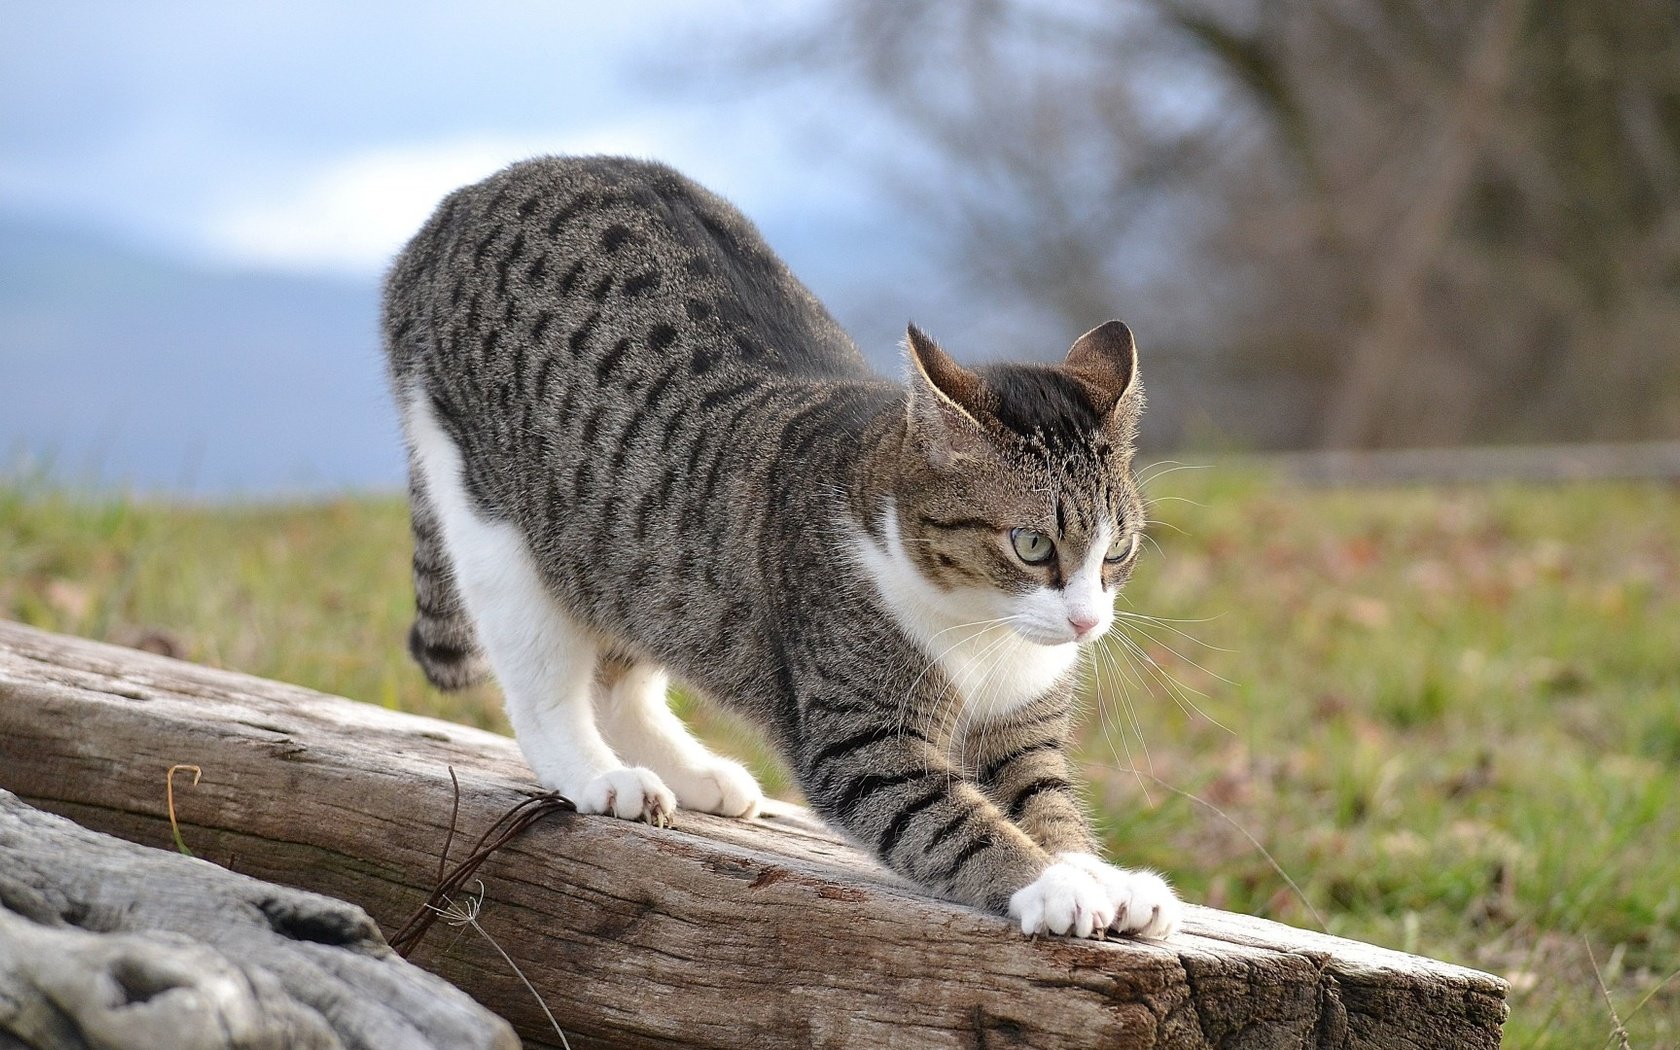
(441, 641)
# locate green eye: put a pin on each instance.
(1122, 549)
(1031, 546)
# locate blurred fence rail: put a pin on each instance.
(1652, 460)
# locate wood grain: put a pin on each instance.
(716, 933)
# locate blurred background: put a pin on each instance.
(1436, 715)
(1340, 224)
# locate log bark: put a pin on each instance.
(716, 933)
(106, 944)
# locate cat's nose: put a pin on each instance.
(1082, 624)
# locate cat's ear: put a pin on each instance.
(1105, 360)
(943, 402)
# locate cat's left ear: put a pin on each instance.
(1105, 360)
(944, 400)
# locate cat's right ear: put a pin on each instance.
(944, 398)
(1105, 358)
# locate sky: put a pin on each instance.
(315, 136)
(193, 182)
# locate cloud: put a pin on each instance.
(352, 214)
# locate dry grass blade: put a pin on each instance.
(467, 915)
(1652, 994)
(1264, 852)
(1620, 1032)
(169, 799)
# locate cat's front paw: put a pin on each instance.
(630, 793)
(1142, 903)
(719, 786)
(1065, 899)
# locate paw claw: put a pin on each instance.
(1132, 893)
(1062, 900)
(631, 793)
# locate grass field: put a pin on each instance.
(1450, 716)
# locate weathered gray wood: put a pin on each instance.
(107, 944)
(769, 933)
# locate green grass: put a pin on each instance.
(1452, 716)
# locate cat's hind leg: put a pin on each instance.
(544, 661)
(631, 699)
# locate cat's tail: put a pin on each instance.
(442, 640)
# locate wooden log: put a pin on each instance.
(107, 944)
(716, 933)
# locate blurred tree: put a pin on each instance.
(1344, 222)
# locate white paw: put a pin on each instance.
(1065, 899)
(1141, 902)
(631, 793)
(719, 786)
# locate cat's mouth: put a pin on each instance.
(1069, 633)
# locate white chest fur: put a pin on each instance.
(966, 632)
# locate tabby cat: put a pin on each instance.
(639, 447)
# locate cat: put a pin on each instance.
(639, 447)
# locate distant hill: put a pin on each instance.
(119, 367)
(123, 367)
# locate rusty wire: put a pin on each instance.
(507, 827)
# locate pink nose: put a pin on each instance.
(1082, 625)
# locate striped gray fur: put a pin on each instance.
(691, 448)
(442, 640)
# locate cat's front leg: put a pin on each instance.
(1022, 766)
(638, 722)
(891, 790)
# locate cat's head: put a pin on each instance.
(1016, 500)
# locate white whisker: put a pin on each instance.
(1165, 467)
(1112, 728)
(1135, 618)
(1130, 708)
(1175, 688)
(1177, 499)
(1167, 619)
(1135, 626)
